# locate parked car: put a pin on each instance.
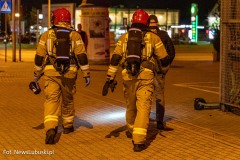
(5, 38)
(2, 36)
(28, 38)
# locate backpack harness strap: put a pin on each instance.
(64, 56)
(134, 61)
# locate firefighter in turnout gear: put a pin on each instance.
(138, 74)
(60, 53)
(159, 80)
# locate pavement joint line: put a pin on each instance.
(105, 97)
(204, 86)
(195, 88)
(189, 83)
(114, 100)
(210, 134)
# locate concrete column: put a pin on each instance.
(95, 22)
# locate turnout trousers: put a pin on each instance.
(159, 83)
(138, 94)
(59, 92)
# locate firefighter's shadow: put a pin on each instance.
(39, 127)
(80, 122)
(151, 133)
(152, 128)
(77, 123)
(116, 132)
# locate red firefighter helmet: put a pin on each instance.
(61, 15)
(140, 16)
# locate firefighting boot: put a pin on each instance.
(162, 126)
(68, 130)
(138, 147)
(128, 134)
(50, 136)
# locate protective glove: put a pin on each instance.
(34, 86)
(109, 84)
(87, 79)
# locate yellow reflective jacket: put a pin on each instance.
(153, 45)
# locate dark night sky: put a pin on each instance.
(204, 6)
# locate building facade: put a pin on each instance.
(120, 19)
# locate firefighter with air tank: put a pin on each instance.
(60, 53)
(160, 73)
(135, 49)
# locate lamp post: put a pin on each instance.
(115, 25)
(19, 34)
(6, 37)
(19, 30)
(13, 33)
(166, 19)
(37, 26)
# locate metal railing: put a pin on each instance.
(230, 53)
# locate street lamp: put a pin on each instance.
(40, 16)
(19, 30)
(39, 27)
(19, 34)
(17, 15)
(13, 33)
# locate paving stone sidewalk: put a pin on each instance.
(100, 121)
